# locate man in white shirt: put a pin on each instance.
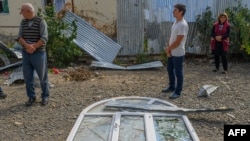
(176, 52)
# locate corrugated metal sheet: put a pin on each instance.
(15, 52)
(93, 41)
(17, 74)
(154, 64)
(11, 65)
(157, 21)
(5, 59)
(106, 65)
(130, 26)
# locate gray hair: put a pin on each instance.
(28, 6)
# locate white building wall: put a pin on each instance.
(104, 11)
(100, 13)
(9, 22)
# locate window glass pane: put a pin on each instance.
(59, 4)
(171, 129)
(94, 129)
(132, 129)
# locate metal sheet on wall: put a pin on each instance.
(130, 26)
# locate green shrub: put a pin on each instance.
(204, 24)
(60, 47)
(239, 18)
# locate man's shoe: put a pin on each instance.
(30, 101)
(224, 72)
(2, 95)
(45, 101)
(174, 96)
(215, 70)
(167, 90)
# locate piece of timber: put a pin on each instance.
(163, 108)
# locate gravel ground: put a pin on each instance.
(69, 98)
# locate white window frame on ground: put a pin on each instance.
(114, 125)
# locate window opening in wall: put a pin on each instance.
(4, 7)
(58, 4)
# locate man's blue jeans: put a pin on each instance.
(36, 61)
(1, 90)
(175, 73)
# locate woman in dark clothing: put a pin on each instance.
(220, 41)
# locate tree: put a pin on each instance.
(204, 24)
(239, 18)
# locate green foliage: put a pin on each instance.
(204, 24)
(239, 18)
(163, 57)
(142, 58)
(117, 61)
(145, 47)
(60, 47)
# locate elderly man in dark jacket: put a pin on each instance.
(33, 36)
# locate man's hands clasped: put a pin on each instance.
(30, 48)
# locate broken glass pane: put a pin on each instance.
(171, 129)
(132, 129)
(94, 129)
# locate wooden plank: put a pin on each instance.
(163, 108)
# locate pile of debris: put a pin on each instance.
(77, 74)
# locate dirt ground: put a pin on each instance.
(69, 98)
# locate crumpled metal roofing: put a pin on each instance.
(11, 65)
(16, 51)
(17, 74)
(5, 59)
(94, 42)
(155, 64)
